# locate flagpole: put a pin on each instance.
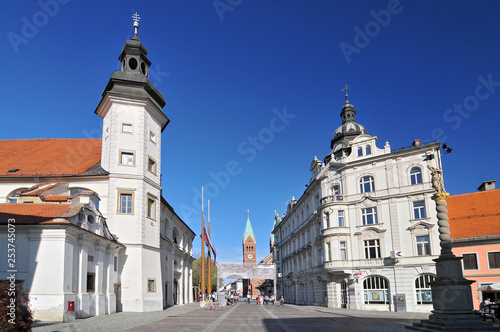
(202, 249)
(209, 265)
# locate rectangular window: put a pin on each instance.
(470, 261)
(360, 152)
(369, 216)
(343, 250)
(151, 208)
(90, 258)
(127, 128)
(419, 210)
(328, 251)
(151, 165)
(494, 260)
(90, 282)
(115, 263)
(372, 249)
(127, 158)
(126, 202)
(341, 218)
(423, 245)
(151, 286)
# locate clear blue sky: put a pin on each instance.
(417, 70)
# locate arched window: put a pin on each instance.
(360, 151)
(175, 235)
(423, 288)
(336, 190)
(366, 184)
(368, 150)
(376, 290)
(415, 175)
(318, 201)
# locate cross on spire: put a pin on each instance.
(346, 95)
(136, 18)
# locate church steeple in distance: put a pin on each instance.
(249, 243)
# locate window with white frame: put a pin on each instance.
(415, 175)
(423, 288)
(343, 250)
(366, 184)
(494, 260)
(423, 245)
(360, 151)
(419, 210)
(328, 251)
(152, 137)
(368, 150)
(340, 215)
(372, 249)
(336, 190)
(369, 216)
(470, 261)
(376, 290)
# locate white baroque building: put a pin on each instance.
(363, 235)
(144, 261)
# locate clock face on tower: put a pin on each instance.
(249, 256)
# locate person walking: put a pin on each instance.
(249, 297)
(282, 301)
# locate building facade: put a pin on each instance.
(154, 253)
(475, 230)
(363, 234)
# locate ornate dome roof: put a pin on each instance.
(348, 130)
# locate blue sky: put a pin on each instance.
(253, 89)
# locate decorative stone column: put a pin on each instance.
(451, 292)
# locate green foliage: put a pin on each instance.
(14, 308)
(197, 274)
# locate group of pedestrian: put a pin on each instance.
(232, 299)
(268, 299)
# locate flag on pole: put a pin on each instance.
(206, 239)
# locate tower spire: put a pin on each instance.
(136, 18)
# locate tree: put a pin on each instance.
(197, 274)
(15, 313)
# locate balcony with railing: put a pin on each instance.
(332, 199)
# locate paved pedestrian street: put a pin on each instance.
(242, 317)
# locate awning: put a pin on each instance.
(494, 287)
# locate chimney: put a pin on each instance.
(416, 142)
(487, 185)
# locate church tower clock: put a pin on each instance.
(249, 244)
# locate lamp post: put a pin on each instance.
(451, 292)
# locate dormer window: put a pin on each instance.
(368, 150)
(360, 152)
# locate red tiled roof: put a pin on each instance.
(475, 214)
(45, 157)
(43, 213)
(57, 198)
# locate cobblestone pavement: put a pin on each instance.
(242, 317)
